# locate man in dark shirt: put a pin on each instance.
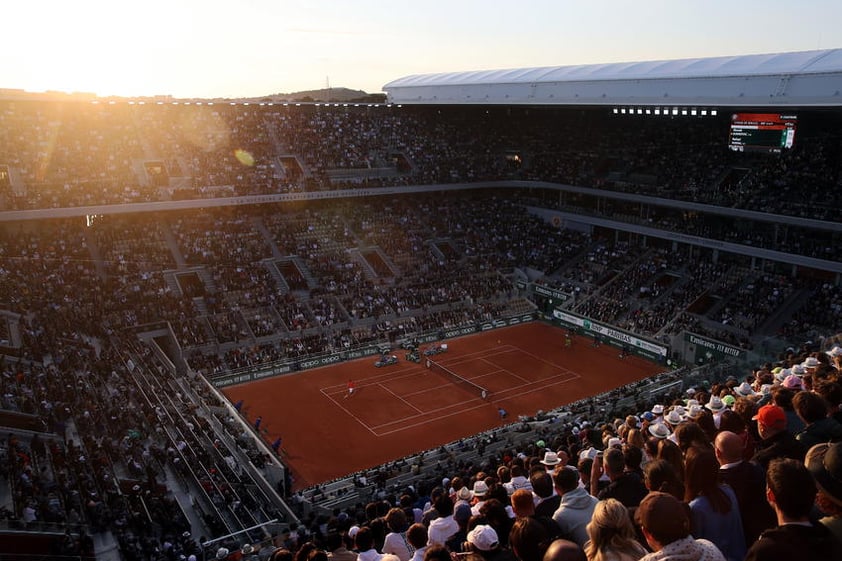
(791, 492)
(748, 481)
(625, 486)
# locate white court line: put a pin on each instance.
(463, 409)
(470, 357)
(399, 397)
(503, 393)
(338, 404)
(391, 374)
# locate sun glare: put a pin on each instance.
(103, 48)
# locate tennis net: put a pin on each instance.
(459, 380)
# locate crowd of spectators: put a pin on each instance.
(252, 285)
(208, 150)
(243, 287)
(744, 468)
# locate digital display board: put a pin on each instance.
(762, 132)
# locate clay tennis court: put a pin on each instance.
(405, 408)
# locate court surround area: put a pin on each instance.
(408, 407)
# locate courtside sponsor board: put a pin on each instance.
(713, 347)
(613, 335)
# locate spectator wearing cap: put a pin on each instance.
(484, 543)
(627, 487)
(665, 523)
(443, 527)
(576, 505)
(791, 491)
(793, 382)
(819, 428)
(775, 440)
(546, 500)
(748, 481)
(825, 464)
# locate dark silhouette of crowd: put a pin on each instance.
(106, 432)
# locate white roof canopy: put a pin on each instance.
(807, 78)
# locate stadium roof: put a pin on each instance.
(806, 78)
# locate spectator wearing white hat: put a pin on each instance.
(835, 355)
(716, 406)
(485, 545)
(480, 493)
(744, 390)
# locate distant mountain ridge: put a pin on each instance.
(342, 95)
(338, 95)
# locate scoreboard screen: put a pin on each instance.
(762, 132)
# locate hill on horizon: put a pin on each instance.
(342, 95)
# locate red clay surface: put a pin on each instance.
(406, 408)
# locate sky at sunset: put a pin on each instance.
(245, 48)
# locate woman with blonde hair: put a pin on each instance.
(611, 535)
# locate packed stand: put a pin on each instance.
(745, 468)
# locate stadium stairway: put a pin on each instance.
(172, 244)
(784, 313)
(305, 272)
(267, 236)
